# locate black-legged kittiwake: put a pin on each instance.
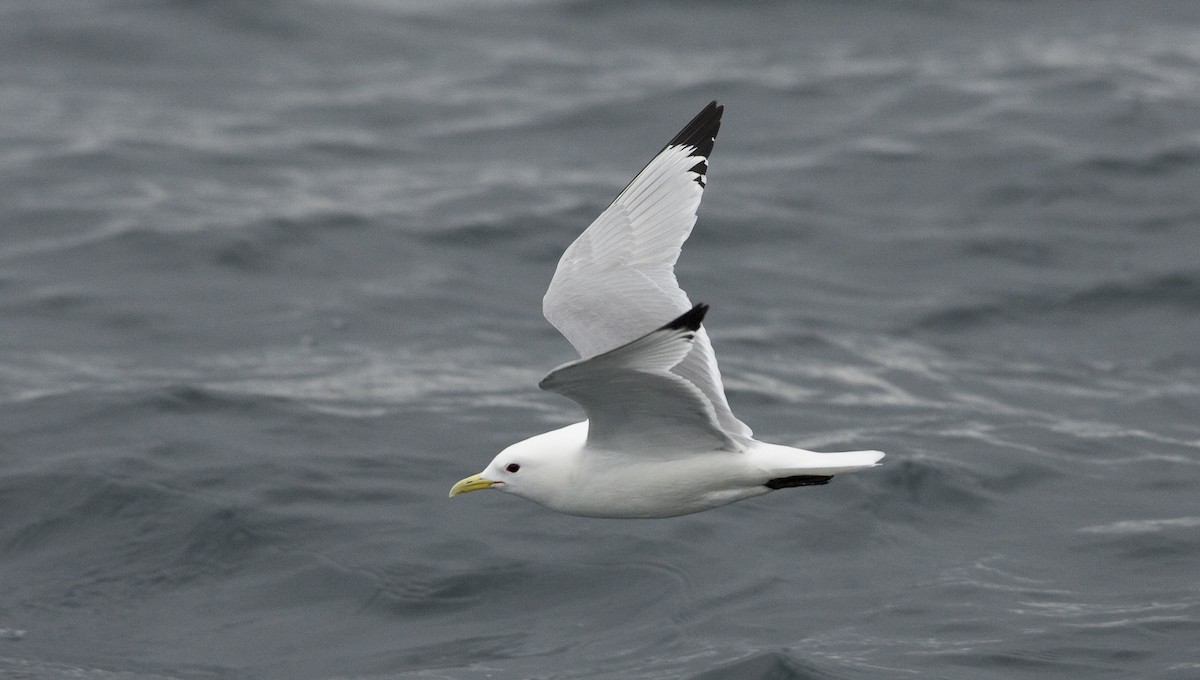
(660, 439)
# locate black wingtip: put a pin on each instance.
(690, 319)
(798, 480)
(701, 132)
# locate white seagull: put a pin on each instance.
(660, 439)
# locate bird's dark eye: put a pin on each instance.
(513, 467)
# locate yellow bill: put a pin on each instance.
(472, 483)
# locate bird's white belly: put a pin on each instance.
(617, 486)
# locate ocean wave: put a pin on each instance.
(1143, 526)
(916, 489)
(1180, 156)
(1176, 290)
(773, 665)
(348, 378)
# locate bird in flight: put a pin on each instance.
(659, 439)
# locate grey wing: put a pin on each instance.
(617, 280)
(635, 403)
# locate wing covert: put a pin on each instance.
(634, 402)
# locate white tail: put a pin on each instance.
(781, 461)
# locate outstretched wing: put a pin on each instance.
(617, 281)
(634, 402)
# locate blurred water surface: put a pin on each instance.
(270, 281)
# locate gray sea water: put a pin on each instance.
(270, 282)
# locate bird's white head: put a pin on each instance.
(539, 468)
